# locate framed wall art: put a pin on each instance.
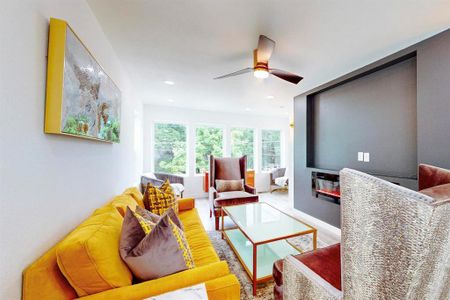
(81, 99)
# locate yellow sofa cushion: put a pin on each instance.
(197, 238)
(89, 256)
(136, 194)
(123, 201)
(174, 282)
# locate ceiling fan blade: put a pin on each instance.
(243, 71)
(265, 49)
(291, 77)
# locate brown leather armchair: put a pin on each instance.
(228, 168)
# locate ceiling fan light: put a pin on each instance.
(261, 73)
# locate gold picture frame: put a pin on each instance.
(81, 99)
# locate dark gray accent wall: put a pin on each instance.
(355, 116)
(433, 101)
(432, 126)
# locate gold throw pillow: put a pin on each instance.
(158, 200)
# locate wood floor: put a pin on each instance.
(277, 199)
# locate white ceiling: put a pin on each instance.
(190, 42)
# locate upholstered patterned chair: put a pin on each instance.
(395, 244)
(228, 168)
(278, 180)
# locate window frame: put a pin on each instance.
(261, 147)
(255, 143)
(203, 125)
(153, 143)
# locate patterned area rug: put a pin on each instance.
(265, 290)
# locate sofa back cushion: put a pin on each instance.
(121, 202)
(136, 194)
(89, 256)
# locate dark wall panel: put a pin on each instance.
(433, 95)
(432, 140)
(358, 115)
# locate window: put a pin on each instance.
(270, 144)
(208, 140)
(170, 148)
(242, 144)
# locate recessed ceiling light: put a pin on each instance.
(270, 97)
(169, 82)
(171, 100)
(247, 109)
(281, 106)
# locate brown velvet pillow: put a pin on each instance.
(155, 218)
(161, 252)
(229, 185)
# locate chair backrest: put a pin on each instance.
(226, 168)
(276, 173)
(395, 242)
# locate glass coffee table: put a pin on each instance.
(260, 237)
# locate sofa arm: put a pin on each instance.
(224, 288)
(186, 204)
(250, 189)
(430, 176)
(300, 282)
(212, 197)
(165, 284)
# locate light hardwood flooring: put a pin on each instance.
(278, 199)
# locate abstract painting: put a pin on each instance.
(80, 95)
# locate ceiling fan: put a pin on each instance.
(261, 56)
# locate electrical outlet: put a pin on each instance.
(360, 156)
(366, 156)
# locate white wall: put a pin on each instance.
(192, 118)
(49, 183)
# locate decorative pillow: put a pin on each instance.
(229, 185)
(153, 250)
(158, 200)
(154, 218)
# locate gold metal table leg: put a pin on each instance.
(255, 255)
(223, 217)
(315, 240)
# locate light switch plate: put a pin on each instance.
(366, 156)
(360, 156)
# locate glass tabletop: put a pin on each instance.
(262, 222)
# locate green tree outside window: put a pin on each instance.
(270, 144)
(170, 148)
(242, 144)
(208, 140)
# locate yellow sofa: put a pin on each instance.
(86, 264)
